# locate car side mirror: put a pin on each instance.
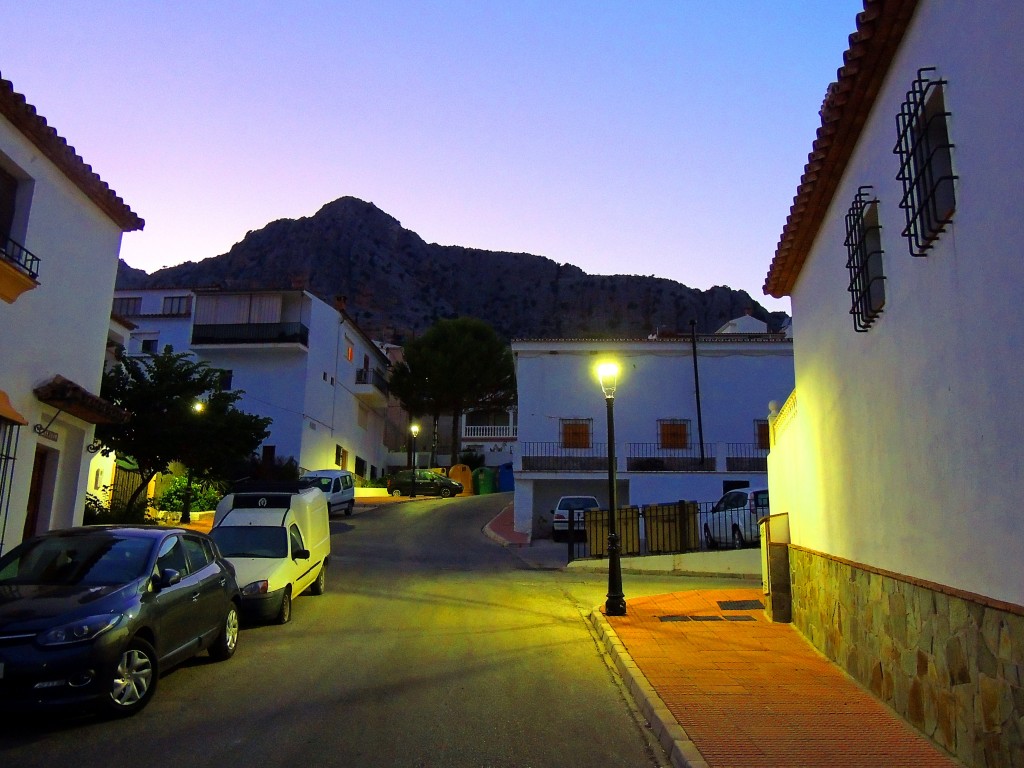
(168, 577)
(300, 554)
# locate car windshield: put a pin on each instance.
(251, 541)
(323, 483)
(99, 559)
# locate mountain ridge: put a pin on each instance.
(395, 285)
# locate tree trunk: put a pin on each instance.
(186, 500)
(133, 499)
(456, 437)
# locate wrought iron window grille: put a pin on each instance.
(864, 248)
(926, 165)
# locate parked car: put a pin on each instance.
(338, 485)
(93, 615)
(733, 519)
(279, 541)
(570, 505)
(427, 484)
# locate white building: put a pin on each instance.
(562, 432)
(299, 360)
(898, 455)
(60, 235)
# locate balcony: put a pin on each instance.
(489, 432)
(371, 386)
(746, 457)
(651, 457)
(276, 334)
(19, 270)
(554, 457)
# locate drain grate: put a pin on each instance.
(740, 605)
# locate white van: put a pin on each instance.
(338, 485)
(278, 538)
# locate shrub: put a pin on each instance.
(173, 499)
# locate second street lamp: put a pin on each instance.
(415, 430)
(615, 605)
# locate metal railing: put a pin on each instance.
(661, 529)
(555, 457)
(489, 432)
(374, 377)
(746, 457)
(19, 256)
(251, 333)
(651, 457)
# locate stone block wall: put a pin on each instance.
(950, 663)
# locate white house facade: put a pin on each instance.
(60, 235)
(682, 432)
(898, 455)
(300, 361)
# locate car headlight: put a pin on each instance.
(80, 630)
(256, 588)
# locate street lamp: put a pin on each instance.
(607, 374)
(415, 430)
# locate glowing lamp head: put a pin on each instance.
(608, 374)
(415, 429)
(198, 406)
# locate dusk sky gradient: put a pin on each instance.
(652, 138)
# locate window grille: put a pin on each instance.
(864, 246)
(576, 433)
(177, 305)
(673, 433)
(9, 431)
(127, 306)
(926, 165)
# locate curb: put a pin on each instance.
(681, 750)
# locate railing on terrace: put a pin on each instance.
(651, 457)
(661, 529)
(251, 333)
(374, 377)
(746, 457)
(554, 457)
(489, 432)
(20, 257)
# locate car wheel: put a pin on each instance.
(446, 492)
(223, 647)
(348, 509)
(318, 586)
(285, 614)
(396, 492)
(134, 679)
(737, 539)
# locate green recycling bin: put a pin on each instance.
(483, 480)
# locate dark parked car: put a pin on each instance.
(427, 484)
(95, 614)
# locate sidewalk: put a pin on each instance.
(722, 686)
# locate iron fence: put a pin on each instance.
(651, 457)
(662, 529)
(746, 457)
(555, 457)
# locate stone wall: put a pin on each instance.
(951, 664)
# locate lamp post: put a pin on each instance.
(415, 430)
(615, 605)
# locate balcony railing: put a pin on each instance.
(19, 257)
(490, 432)
(554, 457)
(746, 457)
(651, 457)
(374, 377)
(251, 333)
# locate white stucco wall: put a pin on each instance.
(59, 327)
(905, 452)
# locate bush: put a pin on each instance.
(173, 499)
(99, 512)
(471, 459)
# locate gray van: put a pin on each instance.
(338, 485)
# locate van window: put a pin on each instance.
(296, 538)
(346, 482)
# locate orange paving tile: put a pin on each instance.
(756, 693)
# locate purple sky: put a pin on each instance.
(662, 138)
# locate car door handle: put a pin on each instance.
(195, 597)
(223, 582)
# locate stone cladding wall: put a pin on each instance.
(950, 663)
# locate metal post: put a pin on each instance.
(696, 383)
(412, 493)
(616, 603)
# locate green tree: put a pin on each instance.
(457, 365)
(162, 392)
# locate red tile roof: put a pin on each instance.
(24, 117)
(880, 29)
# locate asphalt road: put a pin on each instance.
(433, 646)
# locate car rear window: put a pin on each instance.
(578, 502)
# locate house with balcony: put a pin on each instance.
(691, 418)
(300, 361)
(60, 236)
(897, 457)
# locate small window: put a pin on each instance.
(224, 382)
(926, 162)
(172, 556)
(673, 433)
(576, 433)
(198, 556)
(761, 434)
(295, 538)
(340, 457)
(360, 466)
(127, 306)
(864, 262)
(178, 306)
(148, 346)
